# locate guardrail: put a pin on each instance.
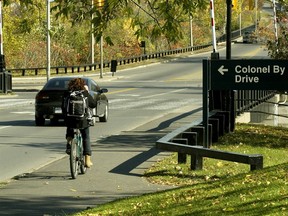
(189, 139)
(106, 64)
(247, 99)
(34, 71)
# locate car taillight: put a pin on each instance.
(42, 96)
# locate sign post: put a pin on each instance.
(205, 98)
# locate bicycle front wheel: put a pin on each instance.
(74, 162)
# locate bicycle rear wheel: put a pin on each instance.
(74, 162)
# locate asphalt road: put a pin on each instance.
(145, 104)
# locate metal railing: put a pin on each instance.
(106, 64)
(122, 61)
(189, 139)
(245, 100)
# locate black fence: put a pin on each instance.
(106, 64)
(189, 139)
(246, 100)
(54, 70)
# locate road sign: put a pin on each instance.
(256, 74)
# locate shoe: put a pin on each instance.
(68, 145)
(88, 162)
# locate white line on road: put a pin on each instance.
(3, 127)
(156, 95)
(27, 112)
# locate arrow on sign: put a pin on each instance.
(222, 70)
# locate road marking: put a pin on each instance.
(117, 100)
(123, 90)
(3, 127)
(15, 102)
(27, 112)
(165, 93)
(150, 104)
(187, 77)
(252, 53)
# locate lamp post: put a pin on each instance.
(48, 40)
(191, 30)
(100, 4)
(92, 35)
(1, 36)
(2, 59)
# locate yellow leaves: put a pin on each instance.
(219, 164)
(189, 198)
(139, 205)
(243, 197)
(229, 209)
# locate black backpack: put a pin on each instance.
(76, 109)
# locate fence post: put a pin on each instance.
(182, 157)
(113, 66)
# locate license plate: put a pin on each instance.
(57, 110)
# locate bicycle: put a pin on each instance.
(77, 160)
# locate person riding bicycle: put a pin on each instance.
(78, 84)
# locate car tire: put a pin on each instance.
(104, 118)
(39, 121)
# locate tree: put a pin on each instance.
(278, 46)
(165, 16)
(162, 24)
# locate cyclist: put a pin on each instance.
(78, 84)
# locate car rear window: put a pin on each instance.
(57, 84)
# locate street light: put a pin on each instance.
(191, 30)
(1, 35)
(48, 40)
(92, 35)
(100, 4)
(2, 59)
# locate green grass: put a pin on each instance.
(221, 188)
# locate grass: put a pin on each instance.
(221, 188)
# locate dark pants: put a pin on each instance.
(86, 139)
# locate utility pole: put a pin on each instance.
(191, 31)
(48, 40)
(1, 35)
(228, 29)
(100, 4)
(92, 34)
(2, 60)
